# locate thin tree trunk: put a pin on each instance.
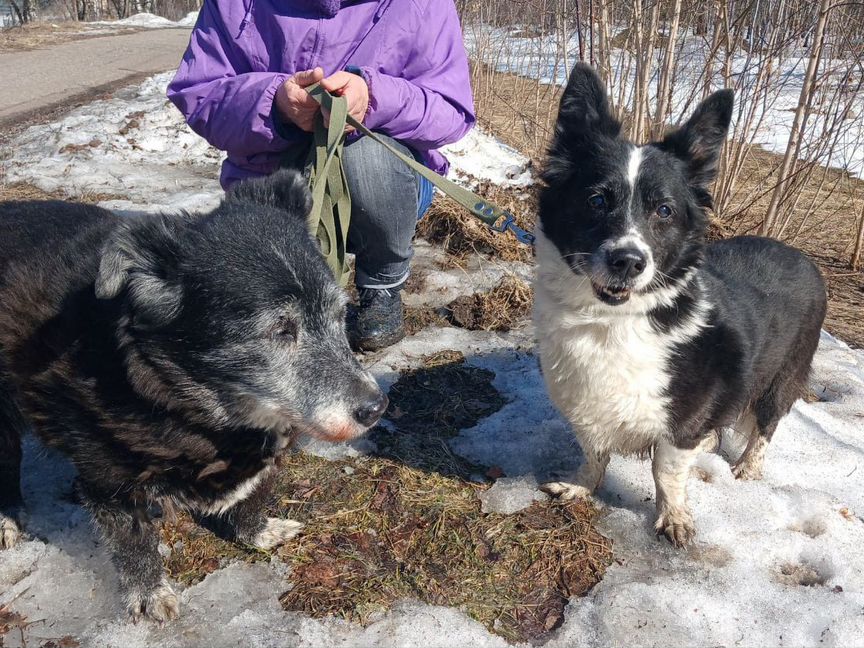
(799, 123)
(638, 101)
(17, 11)
(859, 243)
(579, 33)
(664, 98)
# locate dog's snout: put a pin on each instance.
(626, 262)
(368, 414)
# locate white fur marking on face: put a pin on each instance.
(634, 239)
(633, 165)
(606, 367)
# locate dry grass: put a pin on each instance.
(38, 35)
(27, 191)
(461, 234)
(417, 318)
(379, 531)
(195, 553)
(499, 309)
(407, 523)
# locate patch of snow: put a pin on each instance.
(510, 495)
(146, 20)
(442, 286)
(779, 556)
(483, 157)
(135, 146)
(188, 20)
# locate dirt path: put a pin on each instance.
(38, 81)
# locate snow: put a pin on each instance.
(775, 562)
(542, 58)
(146, 20)
(160, 164)
(729, 588)
(482, 156)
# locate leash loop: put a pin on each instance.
(509, 223)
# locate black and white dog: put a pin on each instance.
(172, 357)
(652, 341)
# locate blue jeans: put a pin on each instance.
(387, 200)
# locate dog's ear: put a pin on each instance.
(699, 140)
(585, 125)
(142, 258)
(285, 189)
(585, 106)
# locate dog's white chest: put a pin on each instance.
(609, 381)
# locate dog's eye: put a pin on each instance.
(283, 330)
(597, 201)
(664, 211)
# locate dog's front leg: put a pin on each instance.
(247, 523)
(133, 542)
(586, 480)
(671, 467)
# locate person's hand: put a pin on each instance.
(355, 91)
(294, 103)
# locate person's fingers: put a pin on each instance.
(337, 82)
(301, 100)
(308, 77)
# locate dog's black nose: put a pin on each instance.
(368, 414)
(626, 262)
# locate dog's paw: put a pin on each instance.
(677, 525)
(747, 470)
(160, 604)
(277, 532)
(565, 490)
(10, 532)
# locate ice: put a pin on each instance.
(511, 494)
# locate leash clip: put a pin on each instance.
(509, 223)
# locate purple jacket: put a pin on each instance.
(410, 52)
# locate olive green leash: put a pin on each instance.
(331, 202)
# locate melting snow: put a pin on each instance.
(775, 562)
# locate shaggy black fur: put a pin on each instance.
(171, 357)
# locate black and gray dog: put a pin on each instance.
(172, 358)
(652, 340)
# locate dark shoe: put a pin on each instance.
(377, 321)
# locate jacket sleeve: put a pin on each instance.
(221, 98)
(430, 104)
